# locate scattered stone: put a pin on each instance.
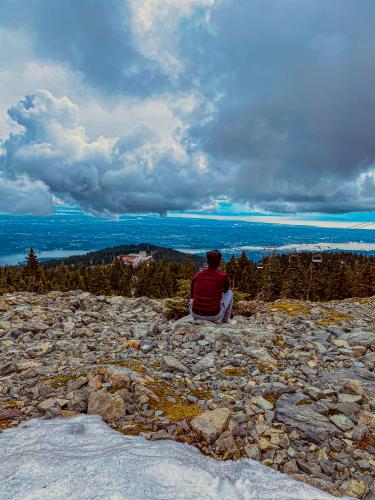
(109, 407)
(354, 488)
(280, 388)
(211, 423)
(252, 451)
(319, 483)
(262, 403)
(226, 444)
(169, 363)
(342, 421)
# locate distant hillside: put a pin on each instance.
(106, 256)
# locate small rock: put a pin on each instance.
(342, 422)
(169, 363)
(252, 451)
(226, 443)
(354, 488)
(349, 398)
(262, 403)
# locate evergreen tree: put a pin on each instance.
(271, 279)
(32, 264)
(295, 282)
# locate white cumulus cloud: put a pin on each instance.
(130, 173)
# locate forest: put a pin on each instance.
(303, 276)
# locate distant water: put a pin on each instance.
(70, 232)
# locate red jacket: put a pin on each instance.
(206, 289)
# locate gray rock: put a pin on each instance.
(342, 422)
(311, 424)
(146, 346)
(253, 451)
(362, 375)
(359, 337)
(208, 361)
(172, 364)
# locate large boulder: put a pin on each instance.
(211, 424)
(359, 337)
(303, 417)
(109, 407)
(337, 376)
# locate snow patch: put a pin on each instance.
(83, 458)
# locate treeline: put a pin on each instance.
(158, 279)
(297, 276)
(107, 256)
(304, 276)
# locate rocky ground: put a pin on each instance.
(293, 386)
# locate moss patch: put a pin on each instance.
(289, 308)
(361, 300)
(234, 372)
(332, 317)
(366, 442)
(272, 398)
(266, 368)
(133, 364)
(202, 393)
(60, 380)
(279, 341)
(133, 429)
(177, 410)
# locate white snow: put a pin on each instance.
(82, 458)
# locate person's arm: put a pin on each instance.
(192, 289)
(226, 284)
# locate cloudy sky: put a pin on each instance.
(187, 105)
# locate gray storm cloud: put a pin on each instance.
(52, 154)
(24, 196)
(297, 117)
(285, 118)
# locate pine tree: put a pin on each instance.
(271, 279)
(295, 282)
(32, 264)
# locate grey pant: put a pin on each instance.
(225, 309)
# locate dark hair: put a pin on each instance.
(213, 259)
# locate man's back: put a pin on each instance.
(207, 288)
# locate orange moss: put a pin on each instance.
(177, 410)
(290, 308)
(332, 317)
(272, 398)
(133, 364)
(279, 341)
(234, 372)
(366, 442)
(133, 429)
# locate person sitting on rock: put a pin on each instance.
(211, 298)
